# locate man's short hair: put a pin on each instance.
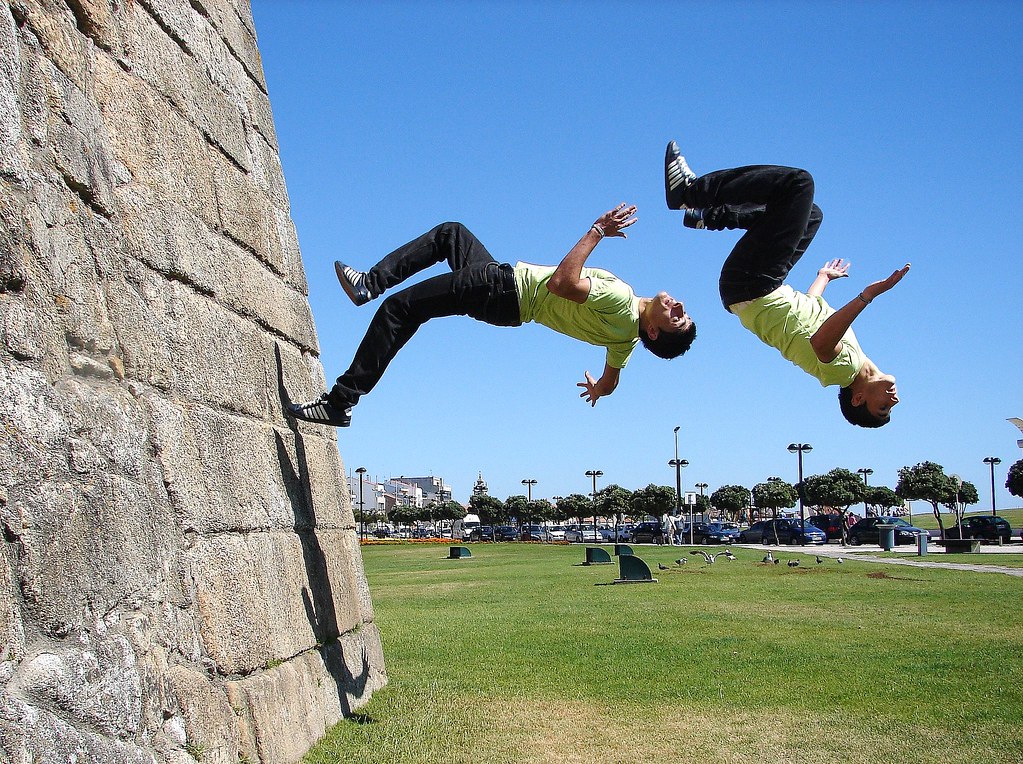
(670, 345)
(858, 415)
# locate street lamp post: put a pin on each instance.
(362, 503)
(992, 461)
(865, 471)
(593, 474)
(528, 483)
(800, 449)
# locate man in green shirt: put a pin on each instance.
(774, 206)
(587, 304)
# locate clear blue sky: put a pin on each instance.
(525, 121)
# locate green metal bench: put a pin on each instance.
(631, 570)
(457, 552)
(597, 556)
(621, 549)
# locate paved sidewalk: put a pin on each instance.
(909, 557)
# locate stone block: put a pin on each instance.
(266, 597)
(55, 26)
(157, 59)
(208, 719)
(91, 682)
(290, 707)
(159, 147)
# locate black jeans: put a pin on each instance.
(774, 205)
(477, 286)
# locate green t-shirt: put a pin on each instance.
(786, 320)
(609, 317)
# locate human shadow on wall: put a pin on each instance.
(318, 596)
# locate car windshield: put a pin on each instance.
(896, 521)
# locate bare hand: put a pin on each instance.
(836, 269)
(880, 287)
(613, 221)
(590, 391)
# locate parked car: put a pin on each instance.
(754, 534)
(712, 533)
(985, 527)
(506, 533)
(830, 524)
(534, 533)
(482, 533)
(790, 530)
(586, 534)
(866, 532)
(624, 534)
(647, 533)
(556, 533)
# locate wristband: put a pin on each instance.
(598, 229)
(865, 300)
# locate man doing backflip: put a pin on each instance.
(774, 206)
(588, 304)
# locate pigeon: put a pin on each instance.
(840, 560)
(705, 555)
(768, 557)
(819, 560)
(681, 561)
(661, 567)
(793, 563)
(777, 562)
(726, 554)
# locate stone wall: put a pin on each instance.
(181, 577)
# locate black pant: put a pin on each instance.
(774, 205)
(477, 286)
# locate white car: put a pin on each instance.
(554, 533)
(586, 534)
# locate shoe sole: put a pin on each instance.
(676, 179)
(353, 295)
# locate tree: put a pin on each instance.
(928, 482)
(574, 505)
(614, 501)
(731, 498)
(1014, 481)
(838, 489)
(882, 497)
(490, 509)
(540, 510)
(775, 494)
(965, 494)
(702, 505)
(654, 500)
(516, 506)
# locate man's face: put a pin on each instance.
(668, 315)
(881, 395)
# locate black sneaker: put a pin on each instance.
(693, 218)
(353, 282)
(677, 176)
(321, 411)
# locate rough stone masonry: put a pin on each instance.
(181, 578)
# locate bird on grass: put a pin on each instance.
(706, 556)
(819, 560)
(727, 554)
(793, 563)
(681, 561)
(777, 562)
(768, 558)
(840, 560)
(662, 567)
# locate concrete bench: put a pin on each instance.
(961, 546)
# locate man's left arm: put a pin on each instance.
(827, 340)
(836, 269)
(594, 390)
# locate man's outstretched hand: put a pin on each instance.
(835, 269)
(613, 221)
(880, 287)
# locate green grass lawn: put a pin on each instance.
(520, 654)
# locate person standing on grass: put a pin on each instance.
(588, 304)
(774, 206)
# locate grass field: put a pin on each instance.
(521, 654)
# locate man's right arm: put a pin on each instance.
(567, 281)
